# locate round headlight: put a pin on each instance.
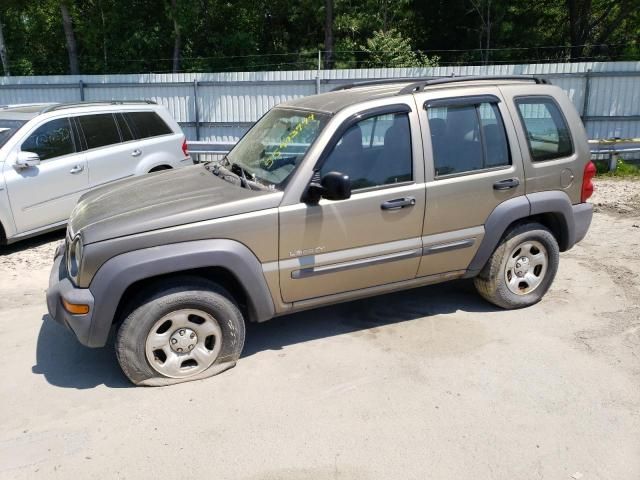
(74, 257)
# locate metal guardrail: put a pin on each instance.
(607, 151)
(212, 148)
(600, 151)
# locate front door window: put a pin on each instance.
(374, 152)
(51, 140)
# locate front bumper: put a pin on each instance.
(61, 287)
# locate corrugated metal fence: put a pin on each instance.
(219, 107)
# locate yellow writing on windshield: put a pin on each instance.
(268, 162)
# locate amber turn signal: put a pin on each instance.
(75, 308)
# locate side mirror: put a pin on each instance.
(27, 159)
(333, 186)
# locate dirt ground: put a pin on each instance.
(617, 196)
(430, 383)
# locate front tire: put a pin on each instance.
(521, 269)
(184, 329)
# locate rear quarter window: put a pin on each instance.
(548, 135)
(146, 124)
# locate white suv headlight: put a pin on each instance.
(74, 258)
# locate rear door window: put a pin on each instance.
(547, 133)
(467, 137)
(99, 130)
(146, 124)
(51, 140)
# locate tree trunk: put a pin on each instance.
(488, 52)
(328, 34)
(105, 67)
(579, 19)
(72, 48)
(3, 53)
(177, 37)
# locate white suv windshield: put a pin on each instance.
(8, 128)
(276, 144)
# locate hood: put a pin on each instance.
(161, 200)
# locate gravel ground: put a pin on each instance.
(430, 383)
(617, 196)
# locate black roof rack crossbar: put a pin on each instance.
(421, 84)
(62, 106)
(381, 81)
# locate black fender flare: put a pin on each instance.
(118, 273)
(506, 213)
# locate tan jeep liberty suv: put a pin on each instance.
(374, 187)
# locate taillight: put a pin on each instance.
(587, 184)
(185, 150)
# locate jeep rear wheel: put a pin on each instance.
(521, 269)
(186, 329)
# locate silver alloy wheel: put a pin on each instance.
(526, 267)
(183, 343)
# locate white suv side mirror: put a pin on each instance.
(27, 159)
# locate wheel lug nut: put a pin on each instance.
(179, 349)
(191, 347)
(193, 335)
(174, 341)
(181, 332)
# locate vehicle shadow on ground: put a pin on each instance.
(32, 242)
(408, 305)
(66, 363)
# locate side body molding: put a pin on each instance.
(118, 273)
(553, 202)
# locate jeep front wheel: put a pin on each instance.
(186, 329)
(521, 269)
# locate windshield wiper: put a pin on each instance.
(243, 173)
(218, 170)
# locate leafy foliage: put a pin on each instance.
(121, 36)
(391, 49)
(625, 169)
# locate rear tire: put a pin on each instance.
(521, 269)
(184, 329)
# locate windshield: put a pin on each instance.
(8, 128)
(274, 147)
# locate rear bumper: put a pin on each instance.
(61, 287)
(582, 215)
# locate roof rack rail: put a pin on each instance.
(421, 84)
(20, 105)
(62, 106)
(381, 81)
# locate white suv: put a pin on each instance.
(50, 154)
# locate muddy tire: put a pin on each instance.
(521, 269)
(183, 329)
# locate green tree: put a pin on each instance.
(391, 49)
(4, 57)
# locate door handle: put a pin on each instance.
(77, 169)
(136, 153)
(506, 184)
(398, 203)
